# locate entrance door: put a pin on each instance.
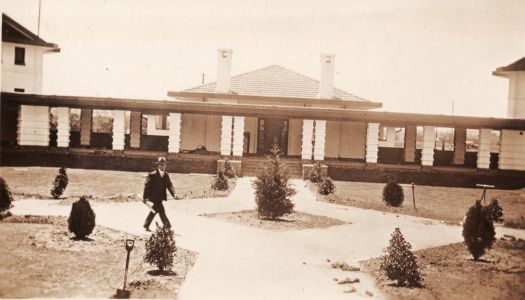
(272, 133)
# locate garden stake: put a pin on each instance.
(484, 193)
(413, 196)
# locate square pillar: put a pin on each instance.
(320, 139)
(372, 140)
(306, 146)
(86, 119)
(174, 132)
(429, 143)
(226, 135)
(118, 129)
(135, 128)
(410, 143)
(33, 126)
(63, 127)
(484, 149)
(460, 141)
(238, 135)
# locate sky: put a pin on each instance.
(433, 57)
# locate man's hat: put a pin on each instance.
(161, 160)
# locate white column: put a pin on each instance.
(226, 135)
(484, 149)
(33, 126)
(306, 146)
(63, 126)
(320, 139)
(429, 143)
(118, 130)
(238, 135)
(460, 141)
(174, 132)
(372, 140)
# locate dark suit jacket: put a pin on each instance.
(155, 187)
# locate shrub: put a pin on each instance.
(5, 195)
(60, 183)
(228, 169)
(160, 248)
(400, 263)
(220, 182)
(478, 230)
(81, 220)
(393, 193)
(272, 190)
(326, 186)
(494, 211)
(315, 175)
(515, 222)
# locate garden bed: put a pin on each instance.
(293, 221)
(451, 273)
(42, 260)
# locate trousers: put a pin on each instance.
(159, 208)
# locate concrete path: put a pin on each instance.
(239, 262)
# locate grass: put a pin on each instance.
(441, 203)
(38, 181)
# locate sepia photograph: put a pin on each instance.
(336, 149)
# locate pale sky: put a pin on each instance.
(414, 56)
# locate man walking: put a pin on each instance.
(155, 191)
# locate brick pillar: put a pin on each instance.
(226, 135)
(238, 135)
(372, 136)
(306, 146)
(410, 143)
(86, 119)
(320, 139)
(63, 127)
(174, 133)
(429, 143)
(135, 129)
(460, 140)
(118, 129)
(484, 149)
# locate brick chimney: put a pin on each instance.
(326, 83)
(224, 65)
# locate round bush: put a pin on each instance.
(478, 230)
(161, 248)
(60, 183)
(81, 220)
(220, 182)
(393, 193)
(315, 175)
(400, 263)
(5, 195)
(326, 186)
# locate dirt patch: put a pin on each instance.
(45, 261)
(451, 273)
(293, 221)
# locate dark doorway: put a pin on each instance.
(272, 133)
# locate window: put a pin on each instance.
(19, 90)
(161, 122)
(20, 56)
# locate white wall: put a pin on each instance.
(512, 150)
(516, 101)
(250, 125)
(28, 76)
(295, 131)
(351, 140)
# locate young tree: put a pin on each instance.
(228, 169)
(220, 182)
(81, 220)
(272, 190)
(400, 263)
(478, 230)
(60, 183)
(161, 248)
(326, 186)
(315, 175)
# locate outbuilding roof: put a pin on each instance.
(13, 32)
(516, 66)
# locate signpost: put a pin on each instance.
(412, 185)
(122, 293)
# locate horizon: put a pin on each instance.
(413, 56)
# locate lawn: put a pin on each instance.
(110, 185)
(441, 203)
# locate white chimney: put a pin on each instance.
(326, 84)
(224, 65)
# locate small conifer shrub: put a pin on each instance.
(220, 183)
(478, 230)
(60, 183)
(315, 175)
(81, 220)
(5, 195)
(272, 189)
(393, 193)
(161, 248)
(228, 169)
(400, 263)
(326, 186)
(495, 211)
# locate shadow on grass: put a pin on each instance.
(161, 273)
(276, 220)
(85, 239)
